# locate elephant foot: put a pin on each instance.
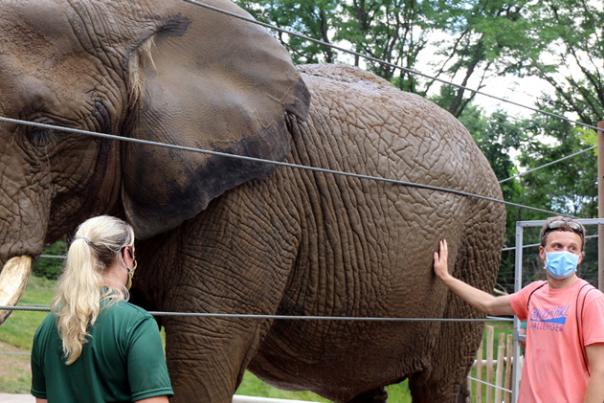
(463, 395)
(378, 395)
(430, 391)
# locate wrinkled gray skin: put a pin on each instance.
(217, 235)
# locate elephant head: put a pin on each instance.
(162, 71)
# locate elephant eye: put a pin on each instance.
(39, 137)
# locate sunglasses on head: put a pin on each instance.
(575, 226)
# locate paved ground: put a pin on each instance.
(6, 398)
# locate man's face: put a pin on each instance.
(558, 241)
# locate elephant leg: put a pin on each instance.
(207, 357)
(229, 263)
(477, 260)
(445, 379)
(378, 395)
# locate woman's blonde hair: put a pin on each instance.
(97, 243)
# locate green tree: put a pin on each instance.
(395, 31)
(569, 36)
(466, 41)
(482, 39)
(317, 19)
(563, 47)
(568, 186)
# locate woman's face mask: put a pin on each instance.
(561, 265)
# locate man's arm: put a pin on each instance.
(595, 386)
(479, 299)
(38, 400)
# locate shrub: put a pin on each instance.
(50, 267)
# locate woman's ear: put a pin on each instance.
(210, 81)
(124, 254)
(127, 255)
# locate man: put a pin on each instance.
(565, 315)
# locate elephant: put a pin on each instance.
(224, 235)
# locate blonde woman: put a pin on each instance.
(94, 346)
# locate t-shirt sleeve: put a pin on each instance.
(38, 381)
(519, 300)
(147, 371)
(593, 318)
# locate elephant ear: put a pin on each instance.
(211, 81)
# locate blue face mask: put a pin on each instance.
(561, 265)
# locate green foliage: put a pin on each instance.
(568, 186)
(473, 38)
(47, 267)
(253, 386)
(20, 383)
(311, 18)
(19, 328)
(569, 34)
(588, 137)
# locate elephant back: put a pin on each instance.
(399, 135)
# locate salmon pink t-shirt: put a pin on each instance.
(554, 369)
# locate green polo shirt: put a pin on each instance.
(122, 360)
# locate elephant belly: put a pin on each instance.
(341, 359)
(350, 359)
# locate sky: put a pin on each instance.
(521, 90)
(524, 90)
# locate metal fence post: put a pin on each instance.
(600, 135)
(516, 332)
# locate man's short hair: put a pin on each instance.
(561, 223)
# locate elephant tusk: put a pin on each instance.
(13, 280)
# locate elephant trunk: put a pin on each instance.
(24, 211)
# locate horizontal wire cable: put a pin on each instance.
(45, 256)
(30, 308)
(532, 245)
(384, 62)
(271, 162)
(489, 384)
(504, 249)
(547, 164)
(15, 353)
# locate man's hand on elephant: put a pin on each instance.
(440, 260)
(479, 299)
